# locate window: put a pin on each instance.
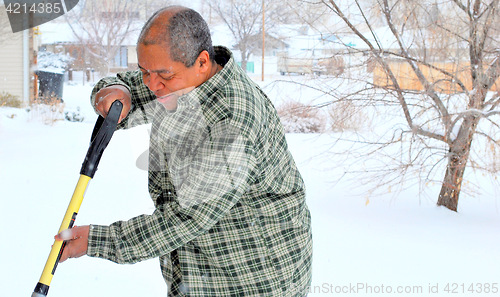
(121, 58)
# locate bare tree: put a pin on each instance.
(439, 70)
(244, 20)
(102, 27)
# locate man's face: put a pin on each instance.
(164, 77)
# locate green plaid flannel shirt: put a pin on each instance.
(231, 217)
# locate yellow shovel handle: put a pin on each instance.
(57, 248)
(103, 131)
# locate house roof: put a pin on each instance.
(56, 32)
(60, 32)
(298, 37)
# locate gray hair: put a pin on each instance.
(186, 34)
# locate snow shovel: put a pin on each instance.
(101, 135)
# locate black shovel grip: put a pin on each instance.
(103, 130)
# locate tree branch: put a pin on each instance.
(461, 6)
(421, 77)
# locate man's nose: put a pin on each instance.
(154, 82)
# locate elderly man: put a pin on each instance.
(231, 217)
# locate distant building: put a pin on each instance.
(17, 53)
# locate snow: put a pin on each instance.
(66, 234)
(50, 62)
(61, 32)
(56, 32)
(363, 245)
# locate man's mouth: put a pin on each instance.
(164, 98)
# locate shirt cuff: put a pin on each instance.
(100, 244)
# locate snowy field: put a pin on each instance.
(400, 245)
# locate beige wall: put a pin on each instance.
(11, 59)
(11, 66)
(16, 78)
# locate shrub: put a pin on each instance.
(9, 100)
(346, 116)
(74, 116)
(47, 109)
(297, 117)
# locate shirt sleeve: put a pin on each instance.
(208, 184)
(143, 100)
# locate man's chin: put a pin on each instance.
(168, 101)
(165, 98)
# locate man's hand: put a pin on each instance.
(106, 96)
(76, 244)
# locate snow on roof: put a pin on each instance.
(56, 32)
(297, 37)
(302, 38)
(60, 32)
(330, 41)
(387, 40)
(384, 37)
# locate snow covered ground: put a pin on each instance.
(400, 245)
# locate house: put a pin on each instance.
(310, 52)
(58, 37)
(273, 44)
(111, 48)
(17, 53)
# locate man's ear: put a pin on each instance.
(203, 61)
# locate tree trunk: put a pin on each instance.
(457, 161)
(244, 60)
(450, 190)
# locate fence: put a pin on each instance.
(407, 79)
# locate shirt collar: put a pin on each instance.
(213, 103)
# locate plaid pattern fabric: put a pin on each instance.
(231, 217)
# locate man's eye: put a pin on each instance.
(165, 76)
